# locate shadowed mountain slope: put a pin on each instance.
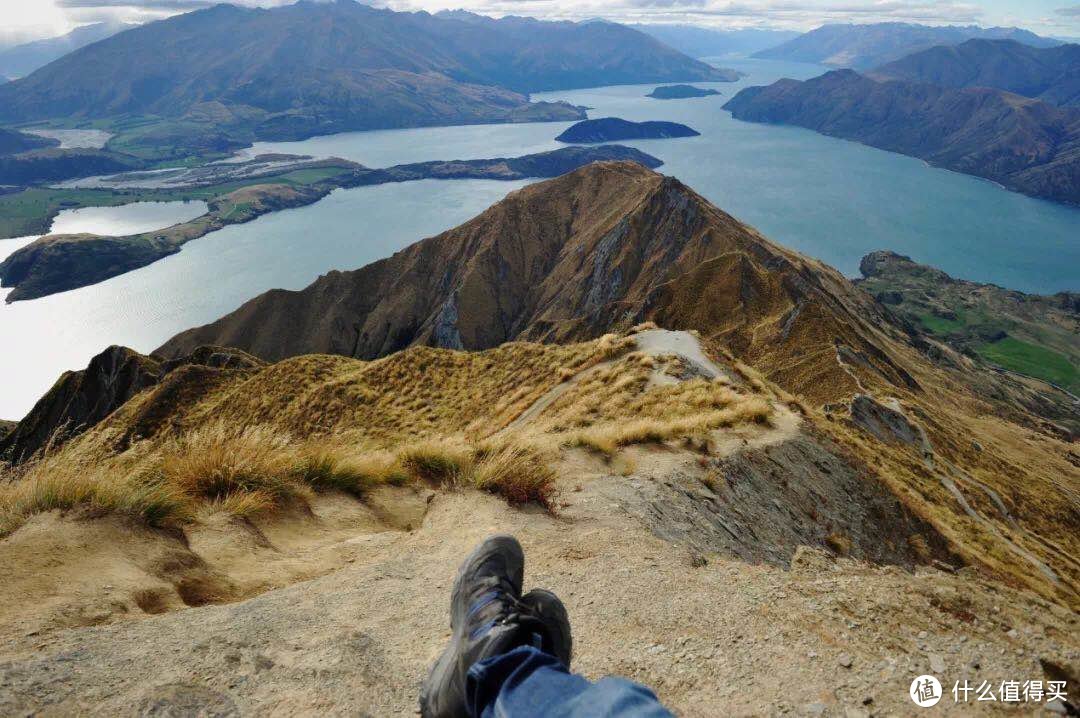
(870, 45)
(310, 68)
(1026, 145)
(1049, 74)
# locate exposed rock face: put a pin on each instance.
(1025, 145)
(613, 129)
(568, 259)
(763, 504)
(887, 423)
(81, 399)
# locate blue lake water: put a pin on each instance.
(832, 199)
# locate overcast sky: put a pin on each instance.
(22, 20)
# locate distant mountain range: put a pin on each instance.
(865, 46)
(697, 41)
(1026, 145)
(1050, 74)
(21, 60)
(313, 68)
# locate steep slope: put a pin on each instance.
(1048, 74)
(569, 258)
(870, 45)
(81, 399)
(21, 60)
(308, 68)
(1026, 145)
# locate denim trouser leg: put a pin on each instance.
(527, 682)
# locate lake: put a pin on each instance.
(829, 198)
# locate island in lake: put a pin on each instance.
(680, 92)
(611, 129)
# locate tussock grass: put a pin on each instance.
(518, 473)
(241, 472)
(87, 477)
(437, 462)
(609, 437)
(214, 463)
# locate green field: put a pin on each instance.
(940, 325)
(1036, 361)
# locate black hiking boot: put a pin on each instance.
(554, 624)
(484, 618)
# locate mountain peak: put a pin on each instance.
(570, 258)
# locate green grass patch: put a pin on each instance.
(940, 325)
(1036, 361)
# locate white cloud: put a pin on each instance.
(49, 17)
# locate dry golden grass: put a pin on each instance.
(517, 472)
(242, 472)
(87, 476)
(609, 437)
(437, 462)
(266, 439)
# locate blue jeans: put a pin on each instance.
(527, 682)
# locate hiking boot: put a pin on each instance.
(486, 620)
(546, 608)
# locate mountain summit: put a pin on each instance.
(568, 259)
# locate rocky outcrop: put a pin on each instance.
(81, 399)
(614, 129)
(887, 423)
(1025, 145)
(609, 244)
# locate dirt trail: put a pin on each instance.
(712, 636)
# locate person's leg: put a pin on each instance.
(509, 654)
(527, 683)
